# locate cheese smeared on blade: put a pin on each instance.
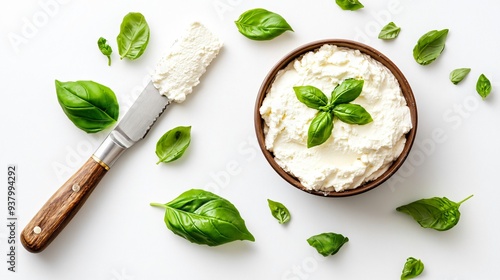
(181, 68)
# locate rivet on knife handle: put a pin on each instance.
(61, 207)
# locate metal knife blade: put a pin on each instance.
(133, 127)
(142, 115)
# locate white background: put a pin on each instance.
(118, 236)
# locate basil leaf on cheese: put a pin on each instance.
(311, 96)
(347, 91)
(352, 114)
(320, 129)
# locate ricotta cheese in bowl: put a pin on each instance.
(355, 158)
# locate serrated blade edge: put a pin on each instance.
(139, 119)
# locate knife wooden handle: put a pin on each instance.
(62, 206)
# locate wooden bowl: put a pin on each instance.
(297, 53)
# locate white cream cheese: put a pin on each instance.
(181, 67)
(354, 154)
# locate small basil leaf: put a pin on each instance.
(352, 114)
(430, 46)
(412, 268)
(133, 37)
(483, 86)
(89, 105)
(202, 217)
(279, 211)
(437, 213)
(457, 75)
(311, 96)
(320, 129)
(173, 144)
(260, 24)
(105, 49)
(350, 5)
(389, 31)
(346, 91)
(328, 243)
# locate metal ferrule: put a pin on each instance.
(109, 151)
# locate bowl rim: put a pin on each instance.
(363, 48)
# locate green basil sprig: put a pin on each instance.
(350, 5)
(279, 211)
(457, 75)
(89, 105)
(105, 48)
(133, 37)
(327, 243)
(412, 268)
(321, 126)
(389, 31)
(260, 24)
(483, 86)
(438, 213)
(430, 46)
(173, 144)
(202, 217)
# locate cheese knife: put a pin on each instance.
(189, 56)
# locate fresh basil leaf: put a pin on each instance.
(350, 5)
(89, 105)
(105, 49)
(204, 218)
(346, 91)
(173, 144)
(412, 268)
(457, 75)
(436, 213)
(279, 211)
(430, 46)
(483, 86)
(352, 114)
(320, 129)
(327, 243)
(260, 24)
(311, 96)
(389, 31)
(133, 37)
